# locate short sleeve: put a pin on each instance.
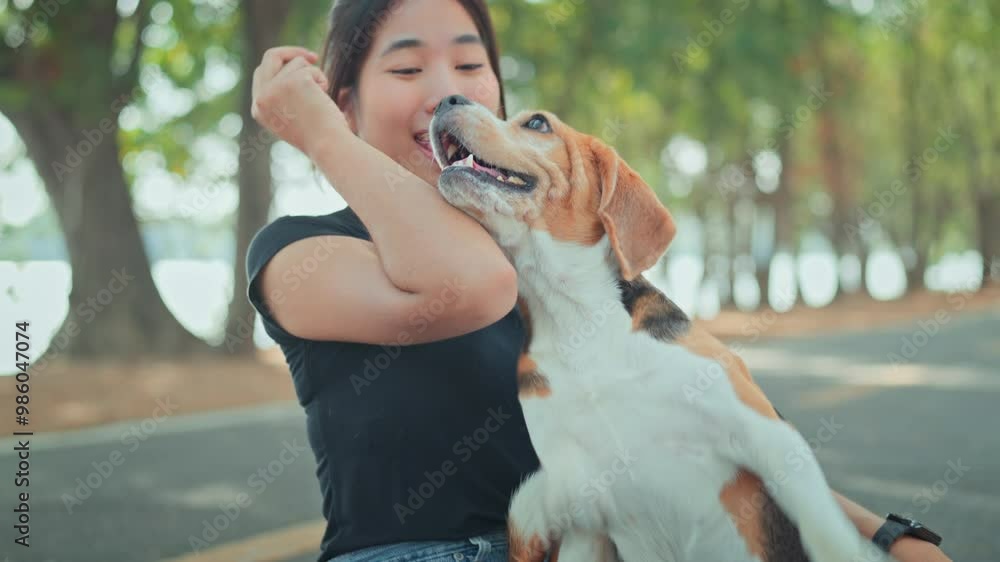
(270, 239)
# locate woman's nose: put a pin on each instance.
(445, 86)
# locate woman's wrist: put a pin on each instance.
(324, 135)
(911, 549)
(905, 549)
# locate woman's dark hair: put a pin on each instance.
(353, 25)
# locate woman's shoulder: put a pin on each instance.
(284, 230)
(343, 222)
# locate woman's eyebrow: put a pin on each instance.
(413, 42)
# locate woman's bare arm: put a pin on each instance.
(423, 250)
(906, 549)
(421, 240)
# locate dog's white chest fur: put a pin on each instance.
(627, 451)
(621, 445)
(630, 456)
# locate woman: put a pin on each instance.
(397, 314)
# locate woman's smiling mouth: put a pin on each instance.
(424, 142)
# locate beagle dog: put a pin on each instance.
(655, 443)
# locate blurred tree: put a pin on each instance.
(97, 231)
(265, 24)
(738, 77)
(913, 141)
(838, 69)
(975, 54)
(262, 22)
(71, 70)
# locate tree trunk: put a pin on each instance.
(262, 23)
(784, 213)
(915, 274)
(764, 253)
(728, 275)
(988, 209)
(912, 139)
(115, 309)
(833, 161)
(833, 166)
(988, 234)
(863, 267)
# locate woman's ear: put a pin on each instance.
(639, 227)
(345, 101)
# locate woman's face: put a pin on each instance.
(426, 50)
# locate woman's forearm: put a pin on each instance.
(906, 549)
(421, 239)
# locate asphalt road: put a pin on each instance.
(919, 436)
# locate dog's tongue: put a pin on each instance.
(490, 171)
(470, 162)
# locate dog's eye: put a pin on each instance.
(539, 123)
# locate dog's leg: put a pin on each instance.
(529, 531)
(544, 519)
(782, 459)
(579, 545)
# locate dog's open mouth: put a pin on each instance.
(457, 155)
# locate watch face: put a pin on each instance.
(916, 529)
(899, 519)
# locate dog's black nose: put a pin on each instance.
(450, 101)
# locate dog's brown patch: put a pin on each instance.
(522, 309)
(524, 549)
(530, 382)
(554, 557)
(569, 212)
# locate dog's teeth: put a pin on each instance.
(501, 177)
(515, 180)
(467, 162)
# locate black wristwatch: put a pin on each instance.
(896, 526)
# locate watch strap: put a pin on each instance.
(888, 534)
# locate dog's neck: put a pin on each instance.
(572, 295)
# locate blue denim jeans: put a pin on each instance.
(490, 547)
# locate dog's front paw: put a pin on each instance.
(524, 548)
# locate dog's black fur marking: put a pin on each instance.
(665, 321)
(782, 542)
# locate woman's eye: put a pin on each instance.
(472, 66)
(538, 123)
(405, 71)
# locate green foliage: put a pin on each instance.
(730, 73)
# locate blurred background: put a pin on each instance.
(808, 150)
(830, 164)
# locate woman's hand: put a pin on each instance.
(290, 99)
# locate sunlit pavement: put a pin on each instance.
(919, 437)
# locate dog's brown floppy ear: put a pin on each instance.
(639, 227)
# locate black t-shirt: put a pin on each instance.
(412, 442)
